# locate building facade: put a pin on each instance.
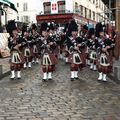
(27, 10)
(83, 11)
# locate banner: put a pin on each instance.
(54, 7)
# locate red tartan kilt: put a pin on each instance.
(53, 59)
(87, 55)
(104, 69)
(31, 51)
(22, 58)
(83, 57)
(70, 58)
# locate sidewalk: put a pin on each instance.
(5, 70)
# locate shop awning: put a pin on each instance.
(9, 4)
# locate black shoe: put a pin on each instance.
(44, 80)
(50, 79)
(12, 78)
(72, 79)
(77, 78)
(19, 78)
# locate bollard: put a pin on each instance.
(117, 72)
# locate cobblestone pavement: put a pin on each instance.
(60, 99)
(5, 64)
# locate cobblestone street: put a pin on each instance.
(60, 99)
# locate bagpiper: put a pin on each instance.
(14, 44)
(104, 62)
(35, 51)
(74, 47)
(64, 51)
(27, 51)
(92, 49)
(48, 59)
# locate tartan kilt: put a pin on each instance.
(22, 60)
(93, 55)
(71, 59)
(87, 56)
(24, 52)
(33, 52)
(104, 69)
(51, 57)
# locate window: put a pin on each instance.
(85, 12)
(93, 15)
(47, 7)
(81, 10)
(90, 14)
(76, 7)
(25, 7)
(17, 17)
(61, 6)
(96, 3)
(99, 4)
(17, 4)
(25, 19)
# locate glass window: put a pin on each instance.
(47, 7)
(93, 15)
(81, 10)
(96, 3)
(17, 17)
(61, 6)
(17, 4)
(85, 12)
(26, 19)
(76, 7)
(90, 14)
(25, 7)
